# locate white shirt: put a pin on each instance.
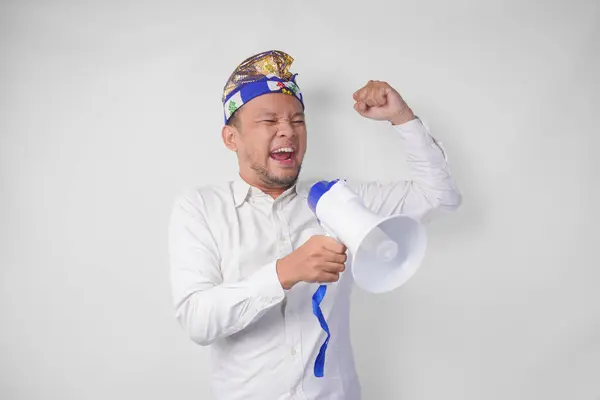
(224, 241)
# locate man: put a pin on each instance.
(247, 255)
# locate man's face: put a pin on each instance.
(269, 137)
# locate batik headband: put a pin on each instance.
(260, 74)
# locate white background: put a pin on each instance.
(109, 109)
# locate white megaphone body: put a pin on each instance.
(384, 252)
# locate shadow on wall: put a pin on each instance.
(447, 128)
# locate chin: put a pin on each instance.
(285, 178)
(278, 175)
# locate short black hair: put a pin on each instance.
(233, 120)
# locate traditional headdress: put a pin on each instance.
(262, 73)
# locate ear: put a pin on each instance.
(229, 134)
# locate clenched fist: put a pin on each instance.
(378, 100)
(321, 259)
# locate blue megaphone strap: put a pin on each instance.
(316, 302)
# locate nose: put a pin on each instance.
(285, 129)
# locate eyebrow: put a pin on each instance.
(264, 113)
(269, 113)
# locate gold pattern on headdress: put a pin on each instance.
(273, 62)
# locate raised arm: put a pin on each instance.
(430, 186)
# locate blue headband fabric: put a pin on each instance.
(251, 90)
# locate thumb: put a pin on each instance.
(360, 107)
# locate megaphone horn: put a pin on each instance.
(384, 252)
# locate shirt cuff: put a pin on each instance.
(267, 285)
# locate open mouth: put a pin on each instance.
(284, 155)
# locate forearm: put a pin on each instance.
(208, 314)
(431, 178)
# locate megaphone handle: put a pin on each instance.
(329, 232)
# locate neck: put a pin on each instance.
(273, 191)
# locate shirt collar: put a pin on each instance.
(242, 190)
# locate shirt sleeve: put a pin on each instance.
(430, 187)
(206, 307)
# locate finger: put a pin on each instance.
(360, 107)
(380, 96)
(371, 101)
(328, 277)
(376, 97)
(330, 256)
(362, 93)
(334, 246)
(334, 267)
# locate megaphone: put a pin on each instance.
(384, 252)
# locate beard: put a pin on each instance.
(272, 180)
